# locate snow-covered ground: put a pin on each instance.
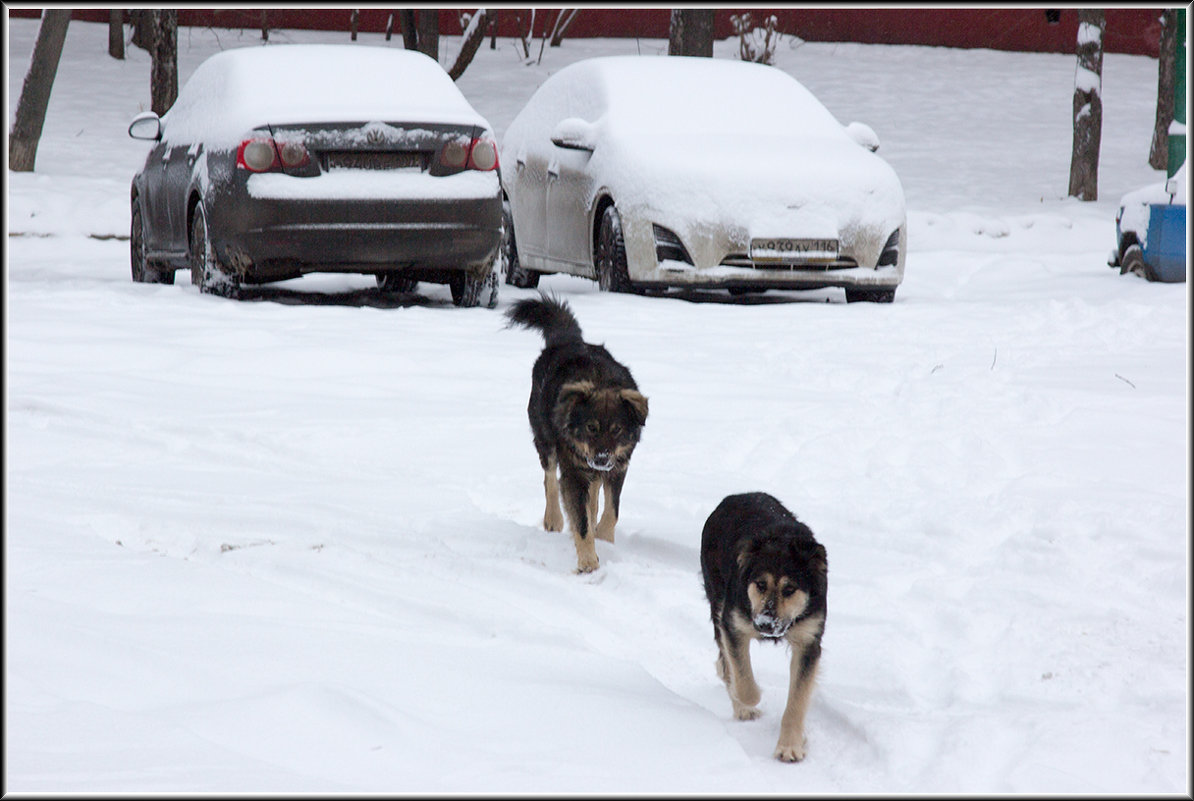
(294, 544)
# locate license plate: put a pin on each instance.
(378, 160)
(792, 250)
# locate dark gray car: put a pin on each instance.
(278, 161)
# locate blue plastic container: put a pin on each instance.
(1165, 248)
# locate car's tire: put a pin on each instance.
(396, 282)
(886, 295)
(610, 258)
(143, 271)
(1133, 262)
(516, 274)
(469, 290)
(738, 291)
(206, 272)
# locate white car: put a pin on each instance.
(666, 171)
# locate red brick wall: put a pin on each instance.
(1129, 30)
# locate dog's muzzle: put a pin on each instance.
(604, 462)
(771, 627)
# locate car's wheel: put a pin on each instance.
(1133, 262)
(870, 295)
(612, 273)
(516, 274)
(738, 291)
(469, 290)
(395, 282)
(143, 272)
(205, 267)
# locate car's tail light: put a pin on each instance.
(483, 155)
(257, 155)
(262, 154)
(455, 155)
(293, 154)
(479, 154)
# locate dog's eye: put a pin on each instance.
(761, 586)
(615, 429)
(591, 426)
(789, 590)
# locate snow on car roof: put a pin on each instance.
(656, 93)
(238, 90)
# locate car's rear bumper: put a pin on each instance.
(264, 237)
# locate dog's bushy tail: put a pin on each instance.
(548, 314)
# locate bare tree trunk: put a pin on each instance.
(493, 26)
(474, 34)
(35, 94)
(1158, 154)
(691, 32)
(163, 82)
(353, 19)
(563, 20)
(142, 19)
(264, 25)
(526, 37)
(427, 24)
(389, 26)
(410, 36)
(116, 33)
(1088, 106)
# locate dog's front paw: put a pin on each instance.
(553, 520)
(744, 712)
(585, 564)
(788, 752)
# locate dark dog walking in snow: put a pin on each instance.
(586, 416)
(766, 579)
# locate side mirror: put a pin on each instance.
(574, 133)
(146, 125)
(864, 135)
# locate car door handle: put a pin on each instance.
(553, 173)
(520, 164)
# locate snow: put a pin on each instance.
(1087, 80)
(283, 546)
(248, 87)
(352, 184)
(1134, 206)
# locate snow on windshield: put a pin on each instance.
(238, 90)
(657, 94)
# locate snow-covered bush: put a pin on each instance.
(756, 43)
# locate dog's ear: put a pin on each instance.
(575, 391)
(814, 554)
(747, 548)
(569, 395)
(636, 404)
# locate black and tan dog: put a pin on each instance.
(586, 417)
(766, 579)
